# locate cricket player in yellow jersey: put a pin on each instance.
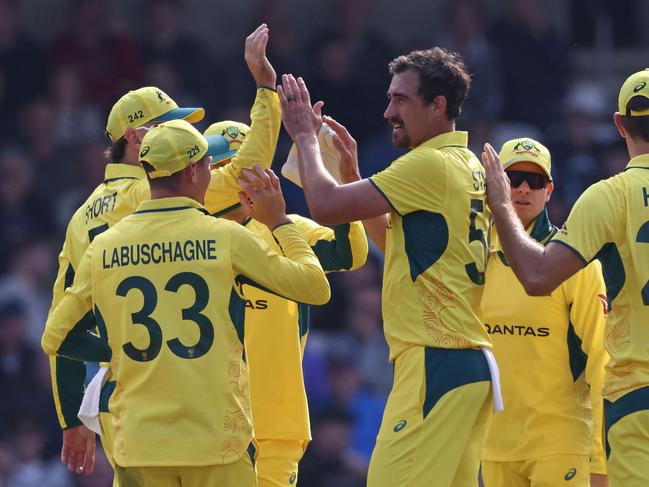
(549, 350)
(123, 188)
(435, 420)
(162, 284)
(277, 327)
(608, 222)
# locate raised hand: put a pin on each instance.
(263, 199)
(299, 117)
(348, 150)
(498, 187)
(255, 55)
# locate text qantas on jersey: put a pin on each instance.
(518, 330)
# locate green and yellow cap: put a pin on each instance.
(234, 132)
(526, 150)
(172, 146)
(144, 105)
(635, 85)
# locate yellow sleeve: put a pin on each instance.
(339, 248)
(258, 148)
(298, 276)
(593, 221)
(67, 331)
(413, 182)
(588, 316)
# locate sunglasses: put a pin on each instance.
(534, 180)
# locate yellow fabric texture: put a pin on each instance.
(440, 447)
(609, 221)
(628, 462)
(550, 471)
(436, 249)
(277, 462)
(551, 357)
(526, 149)
(274, 328)
(124, 187)
(168, 301)
(237, 474)
(258, 148)
(635, 85)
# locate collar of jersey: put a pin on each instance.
(116, 170)
(641, 161)
(457, 138)
(175, 203)
(541, 230)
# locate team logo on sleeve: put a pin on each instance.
(400, 425)
(604, 300)
(292, 478)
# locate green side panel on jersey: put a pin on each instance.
(613, 271)
(576, 356)
(426, 238)
(237, 310)
(69, 277)
(70, 375)
(82, 345)
(336, 254)
(303, 318)
(447, 369)
(104, 396)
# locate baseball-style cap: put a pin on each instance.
(172, 146)
(525, 149)
(144, 105)
(234, 132)
(635, 85)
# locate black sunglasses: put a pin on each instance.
(534, 180)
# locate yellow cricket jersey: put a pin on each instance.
(123, 188)
(163, 286)
(276, 331)
(436, 248)
(610, 222)
(549, 350)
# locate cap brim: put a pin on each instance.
(525, 159)
(192, 115)
(218, 147)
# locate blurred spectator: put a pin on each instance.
(75, 118)
(328, 461)
(28, 282)
(533, 63)
(108, 60)
(467, 36)
(348, 395)
(184, 59)
(24, 211)
(23, 68)
(17, 363)
(29, 466)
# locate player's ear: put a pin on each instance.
(548, 191)
(617, 119)
(439, 105)
(133, 138)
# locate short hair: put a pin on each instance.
(637, 126)
(116, 150)
(170, 182)
(441, 72)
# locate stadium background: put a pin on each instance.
(546, 69)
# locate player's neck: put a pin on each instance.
(442, 127)
(636, 147)
(130, 156)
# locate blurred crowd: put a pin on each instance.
(54, 100)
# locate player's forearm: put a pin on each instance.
(524, 254)
(319, 187)
(260, 143)
(376, 229)
(304, 279)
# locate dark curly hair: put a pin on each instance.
(441, 72)
(637, 126)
